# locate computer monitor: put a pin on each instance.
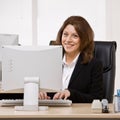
(7, 39)
(44, 62)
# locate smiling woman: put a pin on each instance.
(82, 73)
(80, 29)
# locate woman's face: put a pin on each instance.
(70, 40)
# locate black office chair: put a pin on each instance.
(105, 51)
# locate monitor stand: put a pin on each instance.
(31, 91)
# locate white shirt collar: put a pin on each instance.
(73, 62)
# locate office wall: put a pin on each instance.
(15, 18)
(52, 13)
(113, 32)
(18, 16)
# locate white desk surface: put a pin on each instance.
(75, 111)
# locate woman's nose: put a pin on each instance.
(68, 38)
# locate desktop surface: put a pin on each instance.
(76, 111)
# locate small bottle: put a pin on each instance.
(117, 101)
(105, 107)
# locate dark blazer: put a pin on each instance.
(86, 82)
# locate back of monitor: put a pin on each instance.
(6, 39)
(22, 61)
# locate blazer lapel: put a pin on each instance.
(77, 70)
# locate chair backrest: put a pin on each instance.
(106, 52)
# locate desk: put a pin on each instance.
(75, 112)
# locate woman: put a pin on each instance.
(82, 73)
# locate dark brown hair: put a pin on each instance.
(85, 33)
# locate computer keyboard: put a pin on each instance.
(19, 102)
(55, 102)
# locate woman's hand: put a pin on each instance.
(62, 94)
(43, 95)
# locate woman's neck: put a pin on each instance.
(70, 57)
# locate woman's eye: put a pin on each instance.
(65, 34)
(75, 36)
